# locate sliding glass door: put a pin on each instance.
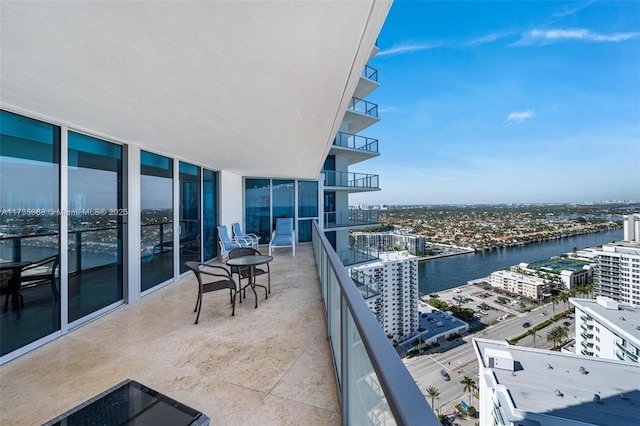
(189, 214)
(156, 220)
(95, 216)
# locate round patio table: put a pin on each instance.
(251, 262)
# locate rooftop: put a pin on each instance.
(547, 384)
(270, 365)
(624, 321)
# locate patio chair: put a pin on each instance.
(227, 244)
(243, 272)
(284, 235)
(252, 239)
(222, 280)
(40, 272)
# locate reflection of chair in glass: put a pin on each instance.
(40, 272)
(222, 280)
(227, 244)
(251, 239)
(243, 271)
(284, 235)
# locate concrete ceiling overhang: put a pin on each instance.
(254, 88)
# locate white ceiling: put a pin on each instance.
(255, 88)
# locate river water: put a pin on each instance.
(448, 272)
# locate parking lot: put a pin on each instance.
(458, 358)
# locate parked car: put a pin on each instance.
(566, 323)
(445, 375)
(526, 325)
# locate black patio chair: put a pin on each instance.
(222, 280)
(42, 271)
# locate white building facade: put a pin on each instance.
(397, 304)
(617, 272)
(387, 241)
(607, 329)
(517, 283)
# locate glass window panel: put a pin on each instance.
(283, 198)
(95, 215)
(156, 219)
(209, 209)
(307, 199)
(29, 230)
(304, 230)
(189, 214)
(257, 208)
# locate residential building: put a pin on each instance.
(351, 147)
(567, 271)
(396, 305)
(387, 241)
(514, 282)
(526, 386)
(607, 329)
(631, 228)
(130, 131)
(617, 272)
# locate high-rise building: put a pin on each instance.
(387, 241)
(130, 131)
(617, 272)
(526, 386)
(396, 305)
(351, 146)
(607, 329)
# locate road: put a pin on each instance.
(458, 357)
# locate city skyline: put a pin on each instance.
(507, 102)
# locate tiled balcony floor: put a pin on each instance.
(265, 366)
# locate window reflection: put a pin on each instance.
(156, 219)
(95, 216)
(29, 230)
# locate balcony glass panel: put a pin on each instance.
(363, 107)
(370, 73)
(95, 216)
(283, 198)
(189, 211)
(307, 199)
(350, 180)
(257, 201)
(29, 229)
(156, 219)
(351, 218)
(348, 140)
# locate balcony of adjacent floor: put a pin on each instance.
(350, 181)
(355, 148)
(368, 82)
(360, 114)
(270, 365)
(351, 219)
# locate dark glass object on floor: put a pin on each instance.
(131, 403)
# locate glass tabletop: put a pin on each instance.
(249, 260)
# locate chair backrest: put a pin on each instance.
(243, 251)
(224, 237)
(235, 228)
(284, 226)
(42, 269)
(195, 268)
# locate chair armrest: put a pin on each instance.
(226, 274)
(243, 241)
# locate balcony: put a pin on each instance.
(351, 218)
(358, 255)
(349, 181)
(368, 82)
(230, 368)
(354, 147)
(360, 114)
(367, 285)
(627, 352)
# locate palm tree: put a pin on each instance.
(564, 297)
(469, 386)
(556, 335)
(433, 393)
(533, 333)
(522, 306)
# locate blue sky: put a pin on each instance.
(499, 102)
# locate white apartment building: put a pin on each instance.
(607, 329)
(388, 241)
(526, 386)
(632, 228)
(617, 272)
(397, 304)
(517, 283)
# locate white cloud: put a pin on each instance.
(518, 117)
(543, 37)
(568, 11)
(408, 48)
(489, 38)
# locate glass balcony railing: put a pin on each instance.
(354, 256)
(363, 107)
(347, 140)
(350, 180)
(374, 386)
(351, 218)
(627, 352)
(366, 284)
(370, 73)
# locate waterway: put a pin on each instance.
(448, 272)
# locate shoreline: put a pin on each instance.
(467, 250)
